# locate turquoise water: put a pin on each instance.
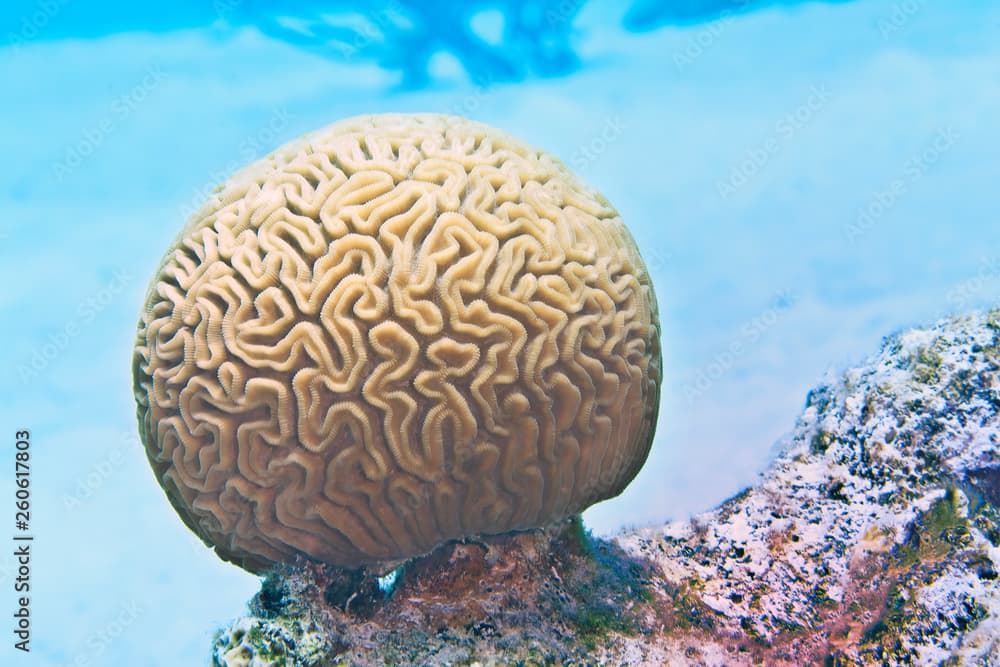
(802, 179)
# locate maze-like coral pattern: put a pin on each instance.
(395, 331)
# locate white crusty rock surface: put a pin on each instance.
(873, 539)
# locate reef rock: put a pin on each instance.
(873, 539)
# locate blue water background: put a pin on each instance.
(802, 178)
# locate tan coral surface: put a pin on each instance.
(392, 332)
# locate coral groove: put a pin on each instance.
(393, 332)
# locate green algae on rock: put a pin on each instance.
(270, 643)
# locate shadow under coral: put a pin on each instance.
(546, 593)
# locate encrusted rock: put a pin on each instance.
(256, 642)
(873, 539)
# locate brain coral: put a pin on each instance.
(392, 332)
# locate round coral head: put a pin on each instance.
(393, 332)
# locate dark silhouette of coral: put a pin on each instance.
(400, 35)
(532, 37)
(404, 35)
